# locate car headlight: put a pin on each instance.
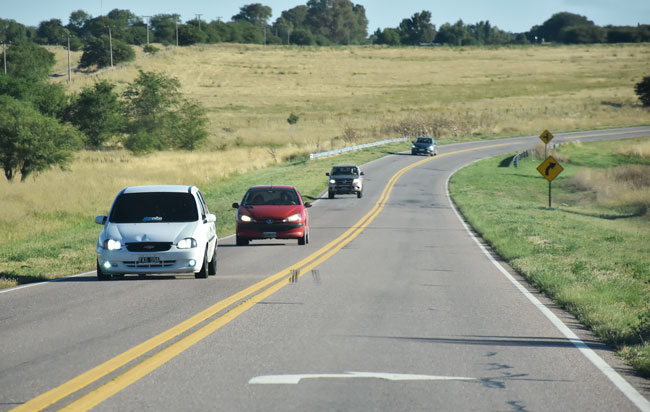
(293, 218)
(332, 181)
(245, 218)
(356, 182)
(186, 243)
(111, 244)
(412, 146)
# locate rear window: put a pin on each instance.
(424, 140)
(154, 207)
(344, 170)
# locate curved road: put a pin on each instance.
(393, 306)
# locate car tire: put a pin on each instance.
(101, 275)
(212, 266)
(203, 273)
(240, 241)
(330, 194)
(359, 194)
(304, 239)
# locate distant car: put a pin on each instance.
(272, 212)
(157, 229)
(424, 145)
(345, 179)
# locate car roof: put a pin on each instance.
(345, 166)
(271, 187)
(160, 188)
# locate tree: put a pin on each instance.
(340, 21)
(582, 35)
(189, 126)
(388, 36)
(455, 35)
(190, 33)
(551, 29)
(97, 52)
(30, 142)
(10, 31)
(77, 21)
(642, 90)
(51, 32)
(418, 29)
(97, 112)
(255, 13)
(28, 60)
(164, 27)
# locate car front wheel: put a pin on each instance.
(100, 273)
(203, 273)
(241, 241)
(212, 266)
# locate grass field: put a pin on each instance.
(591, 251)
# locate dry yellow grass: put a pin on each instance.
(250, 90)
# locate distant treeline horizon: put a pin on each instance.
(318, 22)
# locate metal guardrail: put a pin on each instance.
(357, 147)
(519, 156)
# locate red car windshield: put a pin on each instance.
(258, 197)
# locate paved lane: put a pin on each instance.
(410, 294)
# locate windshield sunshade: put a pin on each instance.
(154, 208)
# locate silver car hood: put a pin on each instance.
(150, 232)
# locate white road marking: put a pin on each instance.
(295, 379)
(624, 386)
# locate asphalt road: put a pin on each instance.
(392, 306)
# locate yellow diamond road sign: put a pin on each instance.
(546, 136)
(550, 168)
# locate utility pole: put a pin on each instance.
(198, 17)
(110, 43)
(177, 30)
(69, 72)
(4, 54)
(148, 20)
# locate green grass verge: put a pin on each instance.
(70, 248)
(592, 259)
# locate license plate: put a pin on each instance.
(149, 259)
(270, 234)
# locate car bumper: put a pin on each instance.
(125, 262)
(345, 189)
(272, 231)
(422, 151)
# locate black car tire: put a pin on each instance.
(359, 194)
(203, 273)
(330, 194)
(212, 266)
(101, 275)
(241, 241)
(304, 239)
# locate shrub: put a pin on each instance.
(293, 118)
(642, 90)
(150, 49)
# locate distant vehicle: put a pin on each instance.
(424, 145)
(157, 229)
(272, 212)
(345, 179)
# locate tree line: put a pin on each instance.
(318, 22)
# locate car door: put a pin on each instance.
(208, 229)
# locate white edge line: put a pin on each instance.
(624, 386)
(44, 282)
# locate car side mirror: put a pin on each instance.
(235, 205)
(210, 218)
(100, 220)
(307, 204)
(363, 174)
(327, 174)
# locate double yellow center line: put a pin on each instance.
(247, 298)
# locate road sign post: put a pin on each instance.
(550, 169)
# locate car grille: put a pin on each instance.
(343, 182)
(277, 226)
(148, 246)
(134, 264)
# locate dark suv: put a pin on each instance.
(345, 179)
(424, 145)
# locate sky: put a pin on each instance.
(510, 15)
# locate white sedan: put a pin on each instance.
(157, 229)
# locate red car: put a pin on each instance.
(272, 212)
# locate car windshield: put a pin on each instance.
(344, 170)
(426, 140)
(154, 207)
(256, 197)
